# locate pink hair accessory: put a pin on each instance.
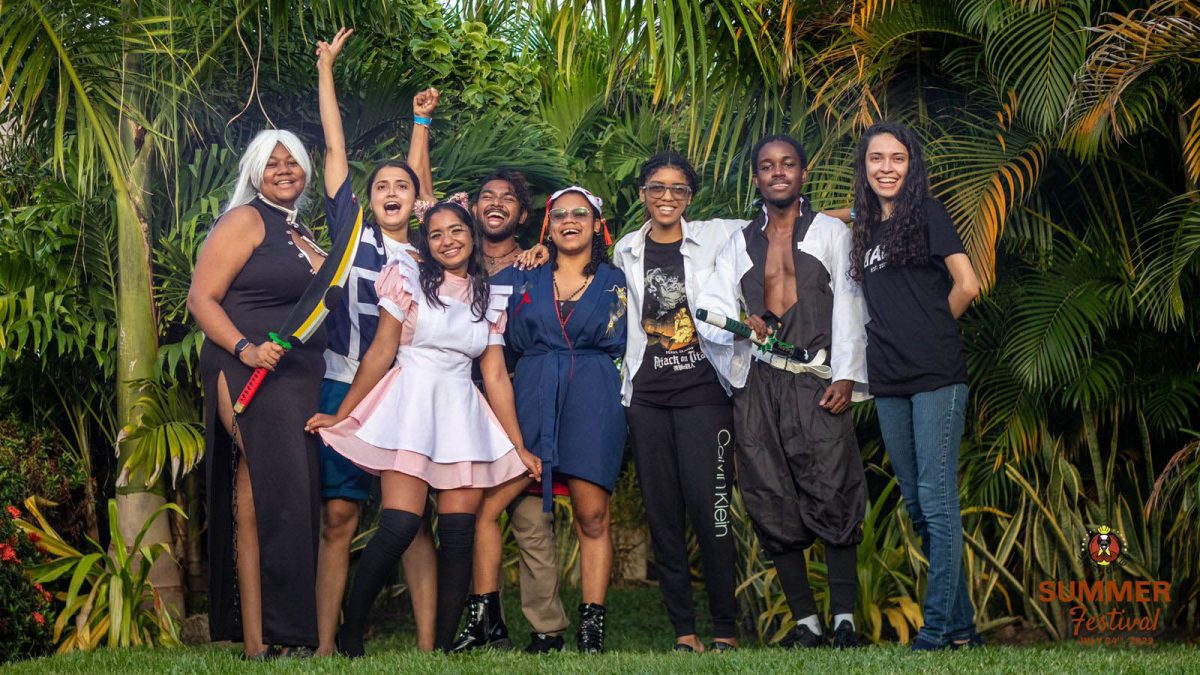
(460, 198)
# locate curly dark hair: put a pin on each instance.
(432, 271)
(599, 250)
(905, 242)
(516, 180)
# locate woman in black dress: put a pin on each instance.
(263, 513)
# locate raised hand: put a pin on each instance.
(425, 102)
(327, 52)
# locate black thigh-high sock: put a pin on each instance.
(842, 562)
(456, 544)
(396, 531)
(792, 570)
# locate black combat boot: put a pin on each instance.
(485, 625)
(590, 638)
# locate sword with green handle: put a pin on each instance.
(769, 345)
(322, 293)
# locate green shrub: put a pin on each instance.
(109, 599)
(33, 461)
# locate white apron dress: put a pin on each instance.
(426, 418)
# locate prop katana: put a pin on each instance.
(769, 345)
(323, 293)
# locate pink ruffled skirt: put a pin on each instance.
(436, 428)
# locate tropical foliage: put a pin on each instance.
(1063, 136)
(109, 599)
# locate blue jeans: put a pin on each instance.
(922, 433)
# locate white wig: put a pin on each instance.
(254, 163)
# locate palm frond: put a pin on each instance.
(983, 172)
(1055, 324)
(1036, 54)
(1171, 255)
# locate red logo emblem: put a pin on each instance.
(1104, 546)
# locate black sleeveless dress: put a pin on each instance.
(283, 459)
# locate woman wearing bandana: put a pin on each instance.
(566, 326)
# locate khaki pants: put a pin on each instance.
(538, 565)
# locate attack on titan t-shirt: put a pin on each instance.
(674, 372)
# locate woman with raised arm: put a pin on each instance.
(394, 188)
(263, 476)
(917, 280)
(566, 325)
(421, 424)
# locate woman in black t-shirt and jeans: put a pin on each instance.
(917, 281)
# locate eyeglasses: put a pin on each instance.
(658, 190)
(578, 213)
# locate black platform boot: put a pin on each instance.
(590, 638)
(485, 625)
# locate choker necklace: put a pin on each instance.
(290, 214)
(290, 217)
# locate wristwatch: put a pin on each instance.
(240, 347)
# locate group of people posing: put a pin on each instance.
(460, 366)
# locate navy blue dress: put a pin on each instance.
(567, 388)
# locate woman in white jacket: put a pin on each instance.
(677, 377)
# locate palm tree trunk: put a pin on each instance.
(137, 340)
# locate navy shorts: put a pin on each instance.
(340, 478)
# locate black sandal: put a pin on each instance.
(684, 648)
(718, 646)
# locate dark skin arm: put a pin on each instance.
(226, 250)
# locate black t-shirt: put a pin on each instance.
(912, 338)
(674, 372)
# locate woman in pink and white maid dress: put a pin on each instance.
(413, 416)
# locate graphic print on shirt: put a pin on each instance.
(875, 259)
(667, 321)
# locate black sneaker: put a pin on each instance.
(801, 637)
(844, 636)
(540, 643)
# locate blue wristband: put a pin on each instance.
(852, 214)
(424, 121)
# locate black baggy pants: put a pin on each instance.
(802, 479)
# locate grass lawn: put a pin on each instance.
(639, 640)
